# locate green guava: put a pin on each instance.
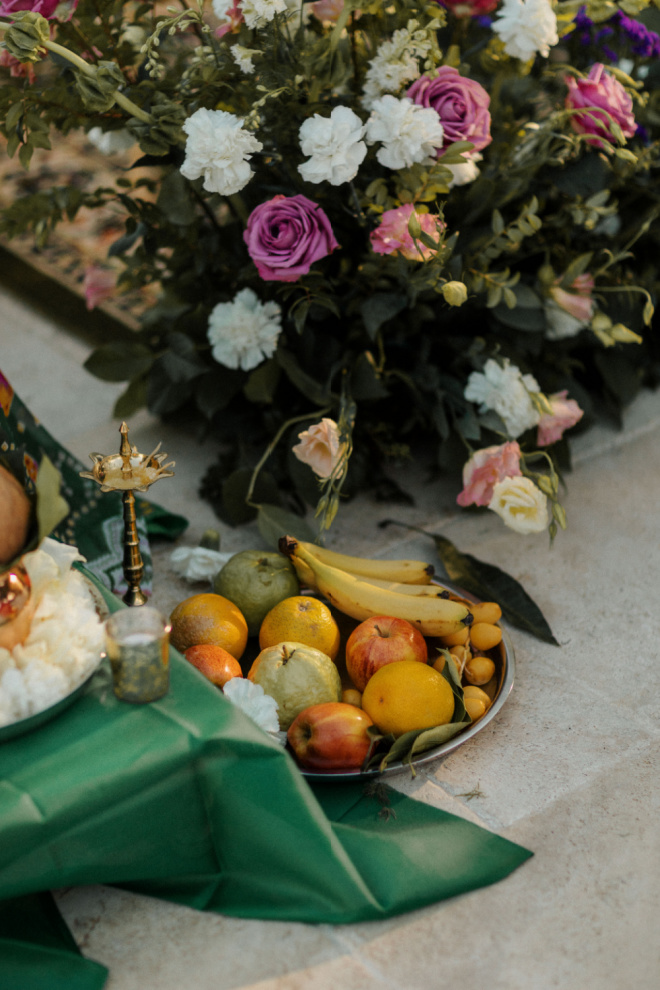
(296, 676)
(255, 581)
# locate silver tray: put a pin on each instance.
(505, 671)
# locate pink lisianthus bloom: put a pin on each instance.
(469, 8)
(327, 10)
(393, 237)
(569, 310)
(461, 104)
(18, 70)
(286, 235)
(485, 469)
(47, 8)
(320, 447)
(565, 413)
(234, 19)
(599, 92)
(99, 284)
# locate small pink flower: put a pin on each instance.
(576, 300)
(98, 285)
(393, 237)
(485, 469)
(469, 8)
(599, 92)
(565, 413)
(320, 447)
(327, 10)
(235, 18)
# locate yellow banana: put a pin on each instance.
(358, 598)
(425, 590)
(404, 571)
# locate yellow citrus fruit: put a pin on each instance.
(407, 695)
(209, 618)
(303, 619)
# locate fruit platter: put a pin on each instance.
(361, 666)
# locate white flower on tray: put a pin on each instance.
(255, 703)
(197, 563)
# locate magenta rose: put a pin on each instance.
(286, 235)
(469, 8)
(485, 469)
(46, 8)
(599, 92)
(460, 102)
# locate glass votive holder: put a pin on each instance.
(137, 643)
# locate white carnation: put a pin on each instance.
(334, 146)
(219, 149)
(526, 27)
(254, 702)
(520, 504)
(502, 388)
(245, 331)
(396, 61)
(221, 8)
(197, 563)
(409, 133)
(243, 57)
(258, 13)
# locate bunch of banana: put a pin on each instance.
(362, 587)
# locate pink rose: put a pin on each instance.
(99, 284)
(460, 102)
(392, 235)
(286, 235)
(485, 469)
(320, 447)
(599, 92)
(469, 8)
(565, 413)
(47, 8)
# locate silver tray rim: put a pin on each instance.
(438, 752)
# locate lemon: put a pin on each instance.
(303, 619)
(296, 676)
(407, 695)
(255, 582)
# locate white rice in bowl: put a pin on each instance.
(65, 641)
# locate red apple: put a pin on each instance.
(379, 640)
(330, 736)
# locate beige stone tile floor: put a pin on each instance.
(569, 768)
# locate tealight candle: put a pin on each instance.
(137, 643)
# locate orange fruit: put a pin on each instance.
(407, 695)
(484, 635)
(301, 619)
(214, 662)
(209, 618)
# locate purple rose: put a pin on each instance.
(600, 91)
(286, 235)
(46, 8)
(460, 102)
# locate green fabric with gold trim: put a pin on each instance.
(94, 522)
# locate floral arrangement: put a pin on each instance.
(374, 227)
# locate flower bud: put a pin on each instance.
(455, 293)
(24, 39)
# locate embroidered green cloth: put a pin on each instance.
(95, 521)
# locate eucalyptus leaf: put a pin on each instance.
(380, 308)
(274, 522)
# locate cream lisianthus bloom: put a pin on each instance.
(320, 447)
(520, 504)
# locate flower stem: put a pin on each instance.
(271, 447)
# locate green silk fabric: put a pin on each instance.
(187, 799)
